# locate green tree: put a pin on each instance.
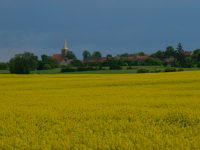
(3, 66)
(153, 55)
(96, 54)
(134, 55)
(23, 63)
(118, 55)
(179, 48)
(71, 55)
(198, 56)
(170, 51)
(86, 54)
(165, 63)
(108, 55)
(188, 63)
(52, 60)
(125, 55)
(159, 54)
(76, 63)
(141, 54)
(43, 57)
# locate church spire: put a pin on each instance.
(65, 45)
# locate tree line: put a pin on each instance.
(26, 62)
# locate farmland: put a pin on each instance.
(100, 111)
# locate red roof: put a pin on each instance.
(58, 57)
(187, 53)
(142, 56)
(101, 59)
(145, 56)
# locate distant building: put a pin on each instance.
(188, 53)
(62, 59)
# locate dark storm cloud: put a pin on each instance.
(108, 26)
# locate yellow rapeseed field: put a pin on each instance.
(121, 111)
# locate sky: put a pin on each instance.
(109, 26)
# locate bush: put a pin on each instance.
(129, 67)
(46, 67)
(165, 63)
(68, 69)
(3, 66)
(76, 63)
(100, 68)
(158, 70)
(198, 64)
(170, 69)
(175, 64)
(142, 63)
(149, 61)
(91, 68)
(57, 65)
(135, 63)
(115, 67)
(143, 70)
(81, 68)
(180, 69)
(103, 68)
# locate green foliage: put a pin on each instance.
(82, 68)
(181, 59)
(128, 62)
(175, 64)
(149, 61)
(134, 55)
(115, 67)
(23, 63)
(76, 63)
(170, 69)
(188, 63)
(86, 54)
(136, 63)
(68, 69)
(180, 69)
(71, 55)
(141, 54)
(52, 60)
(3, 66)
(159, 54)
(108, 55)
(42, 63)
(196, 51)
(179, 48)
(129, 67)
(165, 63)
(170, 51)
(124, 55)
(142, 63)
(121, 62)
(43, 57)
(143, 70)
(153, 56)
(198, 56)
(96, 54)
(46, 67)
(158, 70)
(198, 64)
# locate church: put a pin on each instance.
(62, 59)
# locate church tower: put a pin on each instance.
(64, 50)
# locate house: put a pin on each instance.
(62, 59)
(188, 53)
(145, 56)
